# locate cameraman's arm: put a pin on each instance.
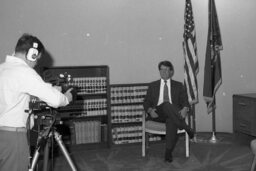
(44, 91)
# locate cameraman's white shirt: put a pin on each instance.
(17, 82)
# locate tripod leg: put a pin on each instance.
(35, 159)
(42, 141)
(57, 137)
(46, 156)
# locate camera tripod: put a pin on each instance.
(42, 143)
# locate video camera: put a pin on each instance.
(63, 81)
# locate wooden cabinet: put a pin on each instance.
(244, 113)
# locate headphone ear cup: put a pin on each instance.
(32, 53)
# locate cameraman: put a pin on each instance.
(18, 80)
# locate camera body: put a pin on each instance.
(63, 81)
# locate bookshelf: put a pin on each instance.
(85, 121)
(126, 113)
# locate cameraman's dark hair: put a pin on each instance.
(26, 41)
(167, 64)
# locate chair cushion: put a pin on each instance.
(157, 126)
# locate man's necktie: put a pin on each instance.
(166, 96)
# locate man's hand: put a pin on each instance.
(69, 95)
(153, 113)
(184, 112)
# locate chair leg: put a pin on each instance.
(143, 143)
(187, 144)
(253, 163)
(147, 140)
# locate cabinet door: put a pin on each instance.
(243, 113)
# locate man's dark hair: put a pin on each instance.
(26, 41)
(165, 63)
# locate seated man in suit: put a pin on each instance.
(166, 101)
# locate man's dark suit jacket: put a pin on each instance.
(178, 93)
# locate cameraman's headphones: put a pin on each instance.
(33, 52)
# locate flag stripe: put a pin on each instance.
(189, 79)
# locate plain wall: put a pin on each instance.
(132, 36)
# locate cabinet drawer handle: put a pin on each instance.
(242, 125)
(242, 104)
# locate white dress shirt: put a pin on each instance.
(17, 82)
(161, 92)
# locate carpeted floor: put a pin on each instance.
(230, 153)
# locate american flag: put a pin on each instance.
(212, 69)
(191, 66)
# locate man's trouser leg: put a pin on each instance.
(14, 155)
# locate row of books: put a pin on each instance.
(130, 94)
(128, 140)
(88, 104)
(128, 134)
(82, 114)
(83, 132)
(89, 85)
(127, 113)
(133, 134)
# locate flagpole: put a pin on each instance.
(193, 117)
(196, 139)
(194, 121)
(213, 139)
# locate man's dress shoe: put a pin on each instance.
(168, 155)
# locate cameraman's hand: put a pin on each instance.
(69, 95)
